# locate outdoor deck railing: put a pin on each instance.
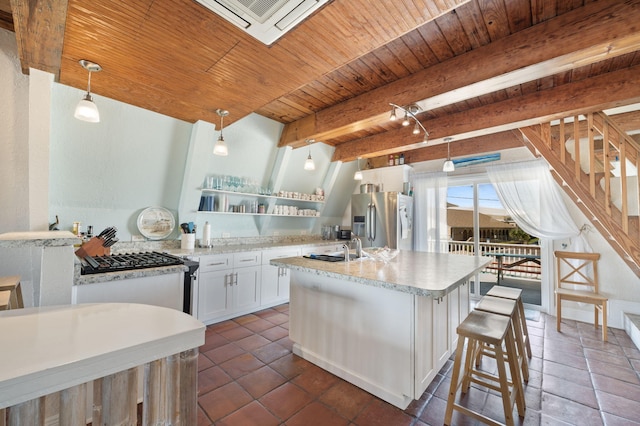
(525, 270)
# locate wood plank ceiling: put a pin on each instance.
(476, 67)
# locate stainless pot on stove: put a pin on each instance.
(368, 187)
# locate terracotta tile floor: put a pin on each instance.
(248, 376)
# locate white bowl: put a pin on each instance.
(384, 254)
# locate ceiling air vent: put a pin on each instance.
(265, 20)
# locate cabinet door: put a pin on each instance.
(214, 294)
(246, 288)
(464, 301)
(454, 318)
(441, 331)
(275, 280)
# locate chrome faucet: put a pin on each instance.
(345, 247)
(358, 242)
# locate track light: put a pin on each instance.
(358, 174)
(448, 165)
(410, 112)
(406, 121)
(87, 110)
(220, 148)
(309, 164)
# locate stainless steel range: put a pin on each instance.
(127, 261)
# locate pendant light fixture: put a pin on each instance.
(410, 112)
(358, 174)
(448, 165)
(220, 148)
(309, 164)
(86, 110)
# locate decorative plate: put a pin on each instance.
(156, 223)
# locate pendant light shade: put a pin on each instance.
(448, 165)
(220, 148)
(87, 110)
(309, 164)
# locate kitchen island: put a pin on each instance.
(388, 328)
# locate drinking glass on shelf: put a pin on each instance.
(226, 183)
(217, 182)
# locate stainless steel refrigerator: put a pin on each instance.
(383, 219)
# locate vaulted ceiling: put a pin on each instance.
(478, 69)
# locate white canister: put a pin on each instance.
(188, 241)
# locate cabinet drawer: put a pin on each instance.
(267, 255)
(244, 259)
(216, 262)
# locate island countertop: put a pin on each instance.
(419, 273)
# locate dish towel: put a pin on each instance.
(404, 223)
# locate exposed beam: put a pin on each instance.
(597, 31)
(588, 95)
(39, 27)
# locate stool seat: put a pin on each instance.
(505, 292)
(5, 296)
(12, 284)
(496, 305)
(482, 325)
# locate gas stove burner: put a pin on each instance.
(127, 261)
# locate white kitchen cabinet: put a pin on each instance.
(159, 290)
(275, 279)
(246, 290)
(214, 294)
(441, 339)
(228, 285)
(436, 336)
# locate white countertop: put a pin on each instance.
(237, 248)
(423, 274)
(48, 349)
(35, 239)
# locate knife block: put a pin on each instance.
(93, 247)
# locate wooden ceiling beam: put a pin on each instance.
(597, 31)
(588, 95)
(39, 27)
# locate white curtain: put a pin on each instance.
(534, 201)
(430, 207)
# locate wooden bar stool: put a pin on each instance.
(514, 294)
(496, 331)
(509, 308)
(12, 284)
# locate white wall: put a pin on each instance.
(615, 278)
(14, 134)
(106, 173)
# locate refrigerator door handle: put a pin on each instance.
(371, 234)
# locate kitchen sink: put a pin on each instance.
(330, 258)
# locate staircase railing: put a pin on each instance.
(593, 158)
